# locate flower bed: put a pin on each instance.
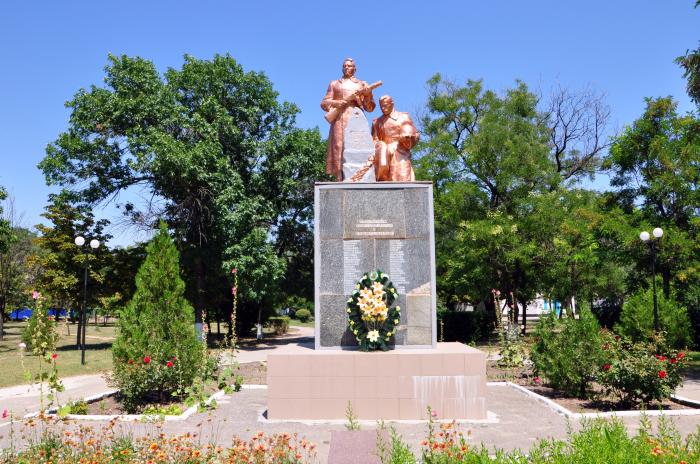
(51, 440)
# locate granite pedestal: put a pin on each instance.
(361, 227)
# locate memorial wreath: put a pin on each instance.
(371, 317)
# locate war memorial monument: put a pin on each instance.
(375, 299)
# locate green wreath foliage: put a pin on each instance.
(371, 317)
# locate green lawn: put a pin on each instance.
(98, 356)
(692, 363)
(295, 322)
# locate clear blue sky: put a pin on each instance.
(49, 50)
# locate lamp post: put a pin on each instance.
(647, 238)
(94, 244)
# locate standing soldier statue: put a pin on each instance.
(345, 93)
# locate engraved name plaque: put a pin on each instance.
(363, 227)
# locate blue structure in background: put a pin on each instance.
(25, 313)
(555, 306)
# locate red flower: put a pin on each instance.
(174, 358)
(234, 270)
(131, 361)
(5, 413)
(170, 364)
(662, 374)
(606, 367)
(146, 359)
(680, 355)
(54, 356)
(537, 380)
(659, 357)
(674, 360)
(617, 338)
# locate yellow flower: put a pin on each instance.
(355, 331)
(396, 321)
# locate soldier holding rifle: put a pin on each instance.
(344, 93)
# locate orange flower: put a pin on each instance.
(153, 447)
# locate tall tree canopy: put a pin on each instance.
(5, 230)
(657, 179)
(212, 142)
(507, 215)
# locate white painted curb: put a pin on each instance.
(556, 407)
(129, 417)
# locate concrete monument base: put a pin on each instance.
(306, 384)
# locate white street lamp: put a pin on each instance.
(658, 232)
(94, 244)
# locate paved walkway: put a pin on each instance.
(303, 336)
(521, 421)
(23, 399)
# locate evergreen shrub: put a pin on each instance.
(280, 324)
(465, 326)
(156, 352)
(303, 315)
(637, 319)
(568, 352)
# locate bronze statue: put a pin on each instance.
(394, 135)
(344, 93)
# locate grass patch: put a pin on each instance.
(98, 355)
(298, 323)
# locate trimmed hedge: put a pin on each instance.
(465, 327)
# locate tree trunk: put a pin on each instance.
(80, 325)
(524, 319)
(3, 305)
(199, 289)
(666, 277)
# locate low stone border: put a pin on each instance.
(127, 417)
(586, 415)
(685, 401)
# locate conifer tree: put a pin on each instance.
(156, 350)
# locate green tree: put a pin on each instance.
(16, 273)
(6, 238)
(215, 144)
(5, 232)
(485, 153)
(61, 262)
(657, 180)
(690, 62)
(156, 349)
